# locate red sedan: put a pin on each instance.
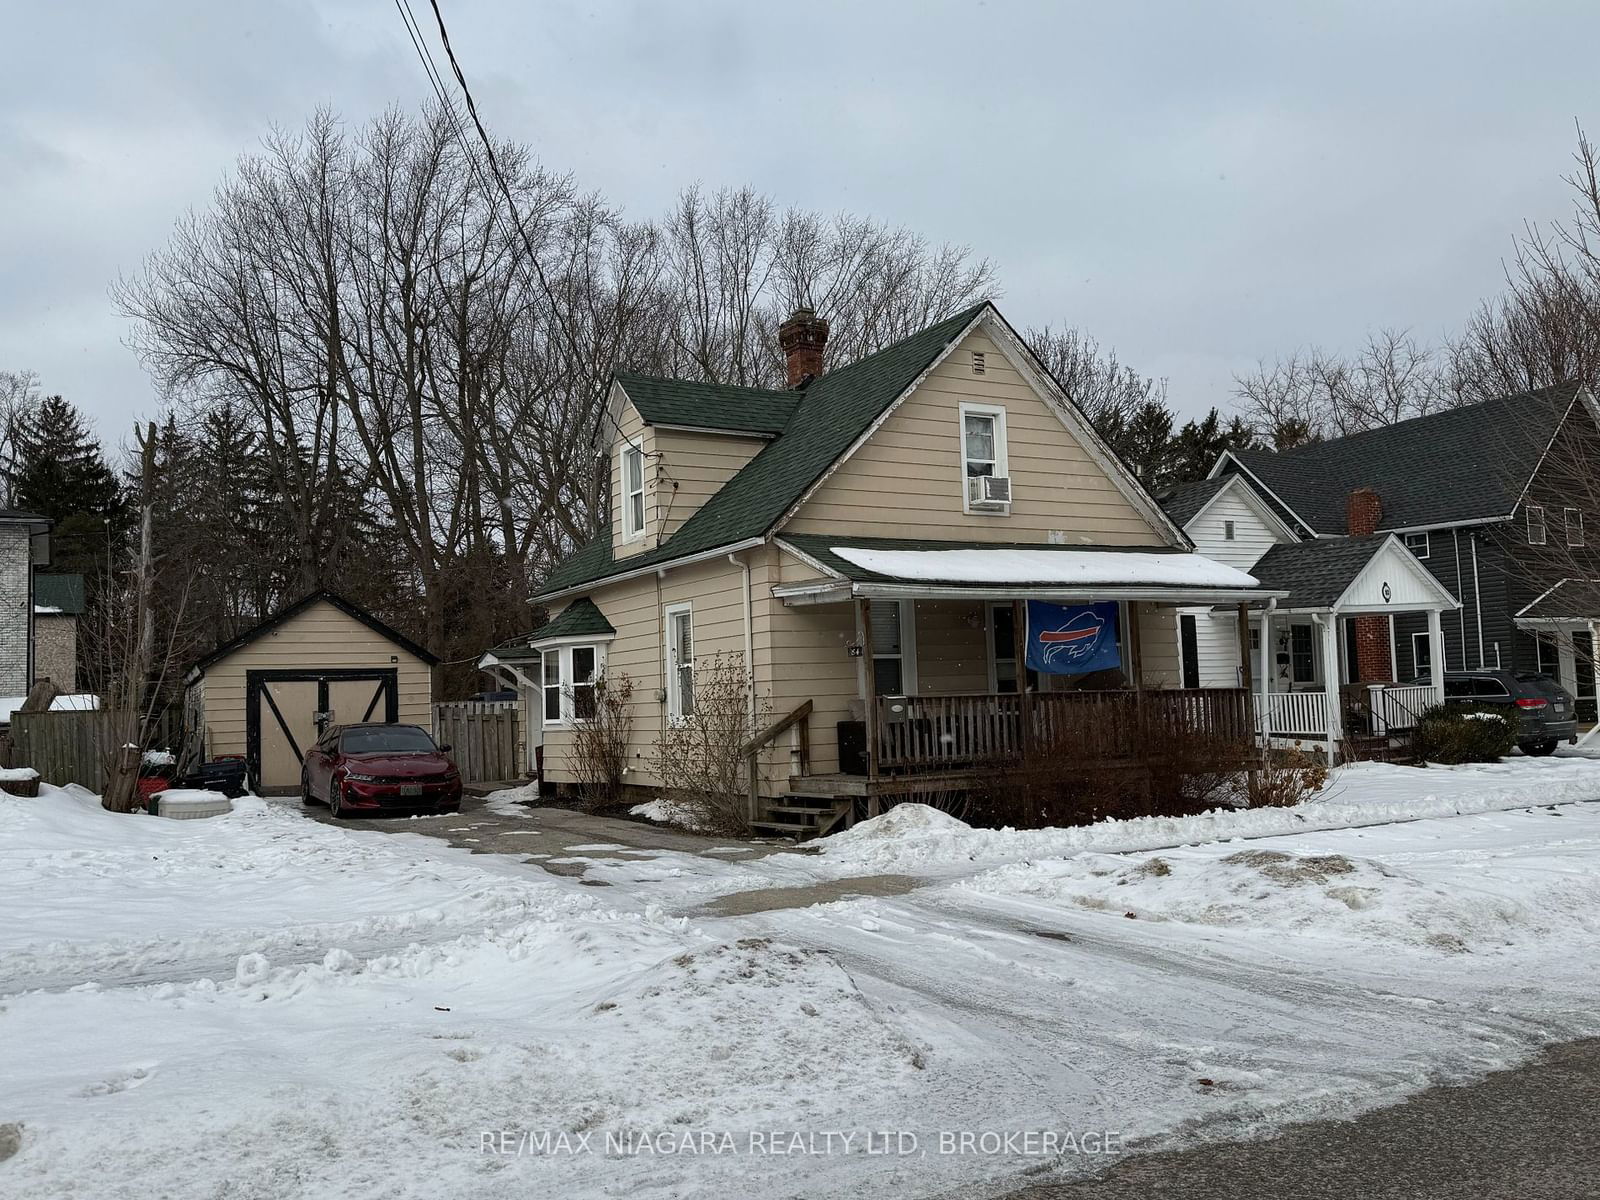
(380, 768)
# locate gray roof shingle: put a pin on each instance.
(1316, 573)
(1185, 500)
(829, 415)
(1463, 464)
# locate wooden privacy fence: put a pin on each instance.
(65, 747)
(482, 736)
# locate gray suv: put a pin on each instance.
(1545, 713)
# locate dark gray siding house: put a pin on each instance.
(1468, 490)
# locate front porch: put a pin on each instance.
(947, 688)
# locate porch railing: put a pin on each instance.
(1397, 708)
(941, 732)
(1298, 714)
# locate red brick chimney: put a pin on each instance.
(802, 338)
(1363, 512)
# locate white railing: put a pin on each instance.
(1303, 714)
(1398, 707)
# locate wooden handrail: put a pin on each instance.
(779, 727)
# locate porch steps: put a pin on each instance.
(803, 816)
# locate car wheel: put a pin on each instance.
(335, 809)
(306, 798)
(1546, 746)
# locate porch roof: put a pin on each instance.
(1331, 574)
(867, 566)
(1568, 600)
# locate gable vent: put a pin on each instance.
(977, 362)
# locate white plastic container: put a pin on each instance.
(189, 804)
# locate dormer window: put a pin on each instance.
(632, 492)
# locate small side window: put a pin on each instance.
(632, 492)
(1535, 525)
(1574, 520)
(1227, 531)
(1417, 543)
(552, 686)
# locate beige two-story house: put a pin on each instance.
(872, 540)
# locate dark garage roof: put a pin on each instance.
(300, 606)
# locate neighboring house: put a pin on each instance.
(267, 694)
(24, 547)
(58, 603)
(867, 540)
(1476, 497)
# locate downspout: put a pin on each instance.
(750, 675)
(1477, 597)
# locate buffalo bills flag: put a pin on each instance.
(1072, 639)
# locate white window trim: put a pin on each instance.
(1002, 465)
(1568, 516)
(1416, 663)
(563, 652)
(1317, 674)
(908, 649)
(1427, 544)
(1543, 528)
(669, 668)
(629, 532)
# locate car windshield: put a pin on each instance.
(386, 739)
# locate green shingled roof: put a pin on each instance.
(709, 405)
(581, 618)
(830, 414)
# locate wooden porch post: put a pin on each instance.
(1266, 679)
(869, 691)
(1245, 679)
(1019, 647)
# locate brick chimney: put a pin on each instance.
(1363, 512)
(802, 338)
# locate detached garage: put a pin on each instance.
(268, 694)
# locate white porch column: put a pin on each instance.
(1436, 655)
(1567, 660)
(1266, 676)
(1330, 674)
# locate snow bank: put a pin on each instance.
(1068, 567)
(1360, 794)
(133, 896)
(513, 802)
(668, 812)
(1332, 895)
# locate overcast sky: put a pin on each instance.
(1198, 186)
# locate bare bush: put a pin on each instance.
(1286, 778)
(598, 758)
(701, 758)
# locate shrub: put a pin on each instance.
(700, 759)
(1286, 778)
(1451, 733)
(599, 754)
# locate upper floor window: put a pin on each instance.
(1535, 525)
(1418, 544)
(632, 492)
(983, 458)
(1227, 531)
(1574, 517)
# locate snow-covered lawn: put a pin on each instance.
(260, 1005)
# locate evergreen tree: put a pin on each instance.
(1197, 445)
(62, 474)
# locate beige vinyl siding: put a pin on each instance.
(1159, 651)
(952, 647)
(634, 608)
(321, 637)
(907, 479)
(699, 464)
(632, 429)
